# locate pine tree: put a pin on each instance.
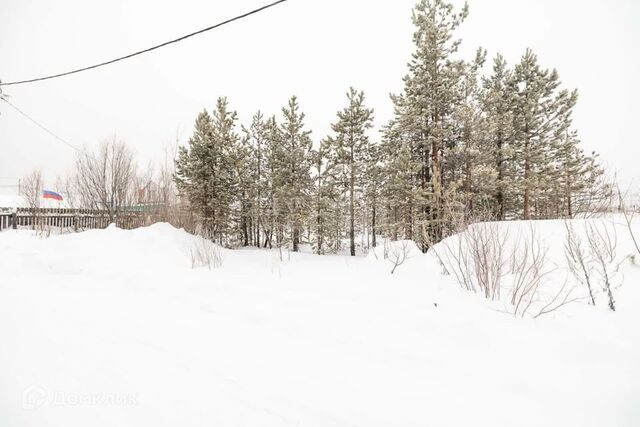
(224, 180)
(206, 171)
(292, 179)
(458, 146)
(256, 139)
(469, 169)
(324, 193)
(539, 114)
(373, 184)
(575, 175)
(193, 171)
(424, 111)
(273, 214)
(351, 146)
(246, 187)
(403, 194)
(498, 106)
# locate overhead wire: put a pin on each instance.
(152, 48)
(34, 121)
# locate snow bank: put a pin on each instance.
(113, 328)
(516, 243)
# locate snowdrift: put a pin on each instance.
(534, 268)
(113, 327)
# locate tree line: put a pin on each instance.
(462, 145)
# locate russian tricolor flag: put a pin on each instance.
(47, 194)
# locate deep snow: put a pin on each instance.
(114, 328)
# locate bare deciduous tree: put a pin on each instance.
(31, 191)
(105, 179)
(167, 193)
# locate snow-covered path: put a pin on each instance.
(113, 328)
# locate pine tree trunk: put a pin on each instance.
(259, 198)
(245, 230)
(435, 178)
(569, 201)
(319, 228)
(373, 225)
(500, 189)
(257, 231)
(352, 182)
(296, 239)
(267, 238)
(527, 172)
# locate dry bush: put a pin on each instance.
(475, 257)
(561, 298)
(203, 252)
(529, 265)
(579, 260)
(397, 252)
(603, 244)
(454, 259)
(628, 211)
(487, 247)
(480, 257)
(43, 229)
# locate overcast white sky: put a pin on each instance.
(315, 49)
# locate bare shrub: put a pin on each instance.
(455, 260)
(167, 193)
(203, 252)
(628, 212)
(397, 253)
(44, 230)
(561, 298)
(603, 243)
(529, 265)
(487, 245)
(475, 257)
(579, 260)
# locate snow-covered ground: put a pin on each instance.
(114, 328)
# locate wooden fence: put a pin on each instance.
(75, 219)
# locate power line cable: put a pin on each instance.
(228, 21)
(4, 98)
